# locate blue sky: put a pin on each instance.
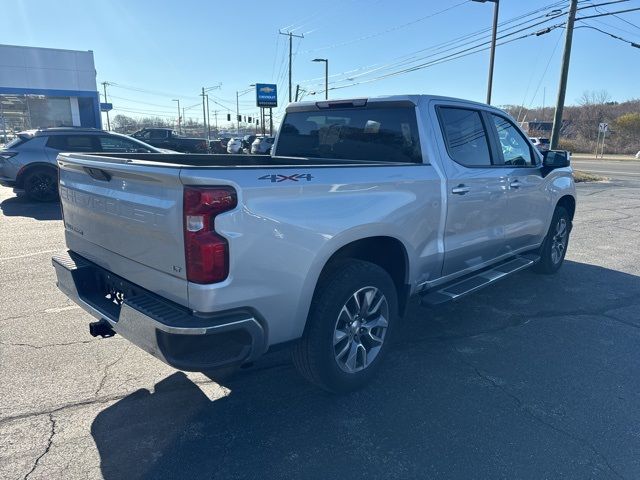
(172, 49)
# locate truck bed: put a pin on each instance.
(235, 161)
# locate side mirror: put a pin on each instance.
(556, 158)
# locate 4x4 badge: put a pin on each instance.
(274, 178)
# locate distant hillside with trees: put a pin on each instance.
(580, 123)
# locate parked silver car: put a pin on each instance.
(234, 145)
(540, 143)
(262, 145)
(28, 162)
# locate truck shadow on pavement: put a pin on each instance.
(513, 382)
(21, 206)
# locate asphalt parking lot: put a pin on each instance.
(538, 377)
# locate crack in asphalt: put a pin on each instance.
(522, 406)
(48, 447)
(105, 372)
(38, 347)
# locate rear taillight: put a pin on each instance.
(206, 252)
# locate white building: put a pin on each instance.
(47, 87)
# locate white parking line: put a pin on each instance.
(61, 309)
(29, 255)
(593, 170)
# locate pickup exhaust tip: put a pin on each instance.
(101, 328)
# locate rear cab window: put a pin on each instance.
(375, 132)
(465, 136)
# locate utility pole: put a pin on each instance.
(291, 35)
(562, 88)
(104, 84)
(208, 120)
(204, 111)
(297, 91)
(493, 49)
(493, 44)
(179, 119)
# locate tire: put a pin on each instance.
(41, 184)
(554, 247)
(345, 340)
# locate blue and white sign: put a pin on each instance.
(266, 95)
(106, 107)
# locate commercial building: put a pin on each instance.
(47, 87)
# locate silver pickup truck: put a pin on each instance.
(212, 260)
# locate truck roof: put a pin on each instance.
(413, 98)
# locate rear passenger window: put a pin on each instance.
(380, 134)
(72, 143)
(465, 136)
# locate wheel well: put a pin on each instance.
(569, 203)
(386, 252)
(24, 171)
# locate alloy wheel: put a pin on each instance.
(360, 329)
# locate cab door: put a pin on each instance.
(476, 191)
(528, 202)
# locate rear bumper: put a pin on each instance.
(162, 328)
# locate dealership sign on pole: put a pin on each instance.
(106, 107)
(266, 95)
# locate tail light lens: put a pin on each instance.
(206, 252)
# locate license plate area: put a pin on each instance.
(108, 292)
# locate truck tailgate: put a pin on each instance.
(125, 216)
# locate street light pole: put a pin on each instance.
(493, 45)
(206, 109)
(326, 75)
(179, 118)
(104, 84)
(237, 113)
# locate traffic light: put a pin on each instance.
(228, 117)
(249, 119)
(239, 118)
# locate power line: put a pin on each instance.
(607, 14)
(150, 92)
(546, 68)
(461, 53)
(633, 44)
(456, 54)
(141, 102)
(388, 30)
(447, 58)
(462, 41)
(439, 48)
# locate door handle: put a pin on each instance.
(515, 184)
(460, 190)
